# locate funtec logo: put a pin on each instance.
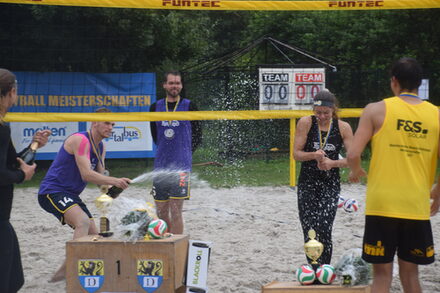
(358, 3)
(124, 133)
(190, 3)
(30, 131)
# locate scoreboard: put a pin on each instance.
(289, 88)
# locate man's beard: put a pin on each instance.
(173, 93)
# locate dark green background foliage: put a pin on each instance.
(361, 44)
(219, 56)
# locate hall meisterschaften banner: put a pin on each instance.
(63, 93)
(241, 5)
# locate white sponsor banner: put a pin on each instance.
(23, 132)
(128, 137)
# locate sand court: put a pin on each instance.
(255, 233)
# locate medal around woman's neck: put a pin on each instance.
(323, 140)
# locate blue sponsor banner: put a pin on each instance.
(84, 92)
(74, 92)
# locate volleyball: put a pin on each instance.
(157, 228)
(326, 274)
(341, 201)
(305, 275)
(351, 205)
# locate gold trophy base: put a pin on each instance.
(106, 234)
(104, 227)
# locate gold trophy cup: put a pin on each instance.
(103, 203)
(313, 248)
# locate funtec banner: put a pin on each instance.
(241, 5)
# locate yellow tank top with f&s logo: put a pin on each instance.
(404, 160)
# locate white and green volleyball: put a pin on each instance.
(157, 228)
(326, 274)
(305, 275)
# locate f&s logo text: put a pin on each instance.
(413, 128)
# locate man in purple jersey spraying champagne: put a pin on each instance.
(80, 160)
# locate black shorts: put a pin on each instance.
(411, 238)
(171, 186)
(59, 203)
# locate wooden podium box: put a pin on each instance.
(116, 263)
(295, 287)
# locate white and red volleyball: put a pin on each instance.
(341, 201)
(351, 205)
(326, 274)
(305, 275)
(157, 228)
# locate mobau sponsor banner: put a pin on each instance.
(241, 5)
(67, 93)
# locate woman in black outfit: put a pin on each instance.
(12, 170)
(318, 140)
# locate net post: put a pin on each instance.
(291, 159)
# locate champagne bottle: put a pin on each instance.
(114, 191)
(29, 155)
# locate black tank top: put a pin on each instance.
(309, 169)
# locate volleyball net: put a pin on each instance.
(228, 90)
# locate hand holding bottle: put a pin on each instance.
(119, 185)
(28, 170)
(41, 137)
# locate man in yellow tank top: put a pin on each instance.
(404, 134)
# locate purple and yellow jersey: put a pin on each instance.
(174, 150)
(63, 175)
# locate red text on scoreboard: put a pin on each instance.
(309, 77)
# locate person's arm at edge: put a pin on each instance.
(7, 175)
(435, 191)
(362, 136)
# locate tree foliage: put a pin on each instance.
(362, 44)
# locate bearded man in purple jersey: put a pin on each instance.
(80, 160)
(176, 141)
